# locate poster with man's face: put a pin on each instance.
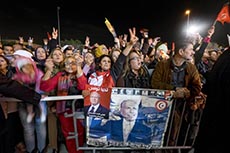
(138, 117)
(97, 103)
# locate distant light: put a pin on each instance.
(187, 12)
(193, 29)
(197, 25)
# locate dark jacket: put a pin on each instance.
(100, 112)
(134, 81)
(140, 133)
(214, 119)
(11, 88)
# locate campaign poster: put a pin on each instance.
(97, 102)
(137, 118)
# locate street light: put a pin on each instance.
(59, 31)
(187, 12)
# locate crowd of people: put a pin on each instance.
(53, 70)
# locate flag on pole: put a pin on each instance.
(224, 15)
(110, 27)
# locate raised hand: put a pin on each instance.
(133, 37)
(211, 31)
(54, 33)
(30, 41)
(133, 40)
(21, 40)
(87, 41)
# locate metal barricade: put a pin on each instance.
(184, 137)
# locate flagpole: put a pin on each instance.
(228, 37)
(59, 30)
(214, 23)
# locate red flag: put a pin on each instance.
(224, 15)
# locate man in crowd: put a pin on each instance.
(96, 108)
(128, 128)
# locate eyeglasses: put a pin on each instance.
(135, 58)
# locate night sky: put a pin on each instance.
(78, 19)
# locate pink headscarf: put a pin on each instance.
(24, 78)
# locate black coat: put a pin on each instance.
(11, 88)
(214, 127)
(100, 112)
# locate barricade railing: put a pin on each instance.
(186, 143)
